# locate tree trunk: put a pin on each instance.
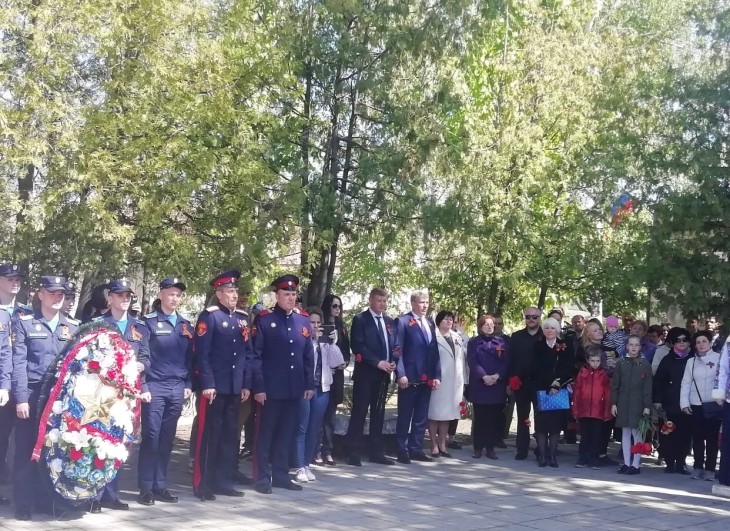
(543, 296)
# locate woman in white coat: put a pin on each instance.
(445, 401)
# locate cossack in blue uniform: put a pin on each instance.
(284, 370)
(37, 343)
(169, 375)
(222, 357)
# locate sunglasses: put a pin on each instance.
(532, 316)
(681, 340)
(335, 305)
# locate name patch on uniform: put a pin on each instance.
(163, 332)
(38, 335)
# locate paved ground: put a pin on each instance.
(460, 493)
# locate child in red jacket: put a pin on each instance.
(591, 406)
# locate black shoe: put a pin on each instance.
(632, 471)
(22, 514)
(146, 498)
(435, 455)
(580, 464)
(354, 461)
(95, 507)
(682, 470)
(404, 459)
(541, 462)
(445, 454)
(115, 505)
(205, 495)
(421, 457)
(381, 460)
(453, 445)
(500, 444)
(520, 457)
(623, 469)
(288, 485)
(490, 454)
(164, 495)
(262, 488)
(553, 462)
(230, 492)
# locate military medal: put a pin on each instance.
(225, 324)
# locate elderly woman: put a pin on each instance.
(488, 365)
(697, 384)
(444, 405)
(553, 366)
(721, 394)
(666, 392)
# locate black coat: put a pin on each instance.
(668, 381)
(337, 389)
(521, 349)
(551, 363)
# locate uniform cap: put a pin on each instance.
(172, 282)
(121, 285)
(286, 282)
(70, 287)
(11, 270)
(227, 279)
(52, 283)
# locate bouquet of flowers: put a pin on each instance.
(90, 415)
(668, 427)
(643, 448)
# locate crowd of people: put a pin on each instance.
(277, 375)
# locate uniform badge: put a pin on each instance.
(245, 333)
(305, 331)
(186, 331)
(202, 329)
(38, 328)
(136, 336)
(159, 324)
(273, 325)
(65, 332)
(225, 324)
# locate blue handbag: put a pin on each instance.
(550, 402)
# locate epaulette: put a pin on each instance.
(26, 317)
(211, 309)
(151, 315)
(73, 321)
(263, 312)
(239, 310)
(303, 313)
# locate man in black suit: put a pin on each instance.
(372, 340)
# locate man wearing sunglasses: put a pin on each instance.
(521, 347)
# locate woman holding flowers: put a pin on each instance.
(631, 402)
(444, 405)
(488, 362)
(667, 386)
(697, 384)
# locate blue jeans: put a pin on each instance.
(311, 413)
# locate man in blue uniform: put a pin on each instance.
(418, 371)
(137, 336)
(284, 374)
(372, 340)
(38, 340)
(11, 279)
(222, 354)
(168, 381)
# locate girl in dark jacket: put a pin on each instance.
(667, 387)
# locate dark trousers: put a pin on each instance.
(328, 429)
(724, 476)
(159, 424)
(453, 425)
(216, 457)
(676, 445)
(523, 401)
(705, 443)
(28, 491)
(606, 433)
(278, 420)
(488, 425)
(7, 421)
(412, 413)
(591, 436)
(369, 392)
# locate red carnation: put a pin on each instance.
(462, 404)
(641, 448)
(94, 365)
(99, 463)
(424, 378)
(464, 411)
(117, 463)
(527, 422)
(358, 358)
(430, 383)
(75, 454)
(515, 382)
